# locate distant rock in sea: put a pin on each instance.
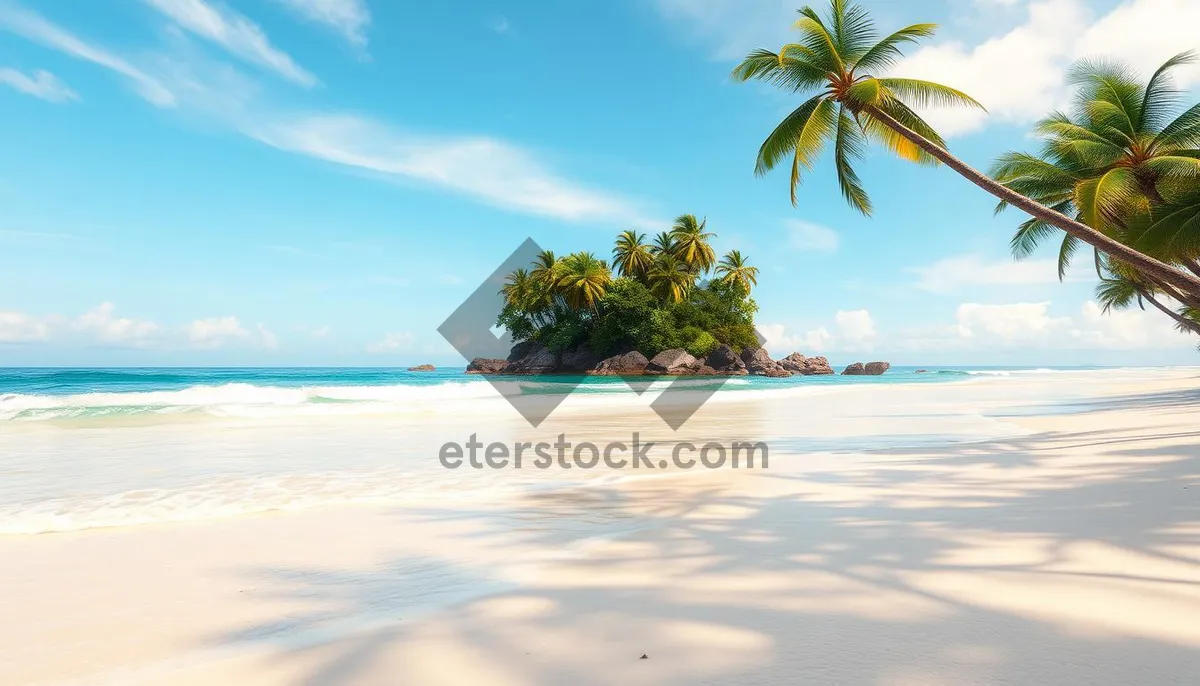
(423, 368)
(877, 368)
(806, 366)
(868, 369)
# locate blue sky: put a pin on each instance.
(292, 182)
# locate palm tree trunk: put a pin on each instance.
(1192, 266)
(1172, 292)
(1183, 321)
(1188, 283)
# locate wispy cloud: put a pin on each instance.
(500, 24)
(18, 327)
(812, 237)
(392, 342)
(33, 27)
(350, 18)
(104, 326)
(41, 84)
(952, 274)
(235, 33)
(215, 332)
(490, 170)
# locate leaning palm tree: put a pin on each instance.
(736, 271)
(583, 280)
(631, 255)
(691, 243)
(1118, 162)
(670, 278)
(1119, 289)
(840, 57)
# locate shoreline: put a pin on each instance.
(1068, 551)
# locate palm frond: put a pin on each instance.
(886, 52)
(923, 94)
(850, 146)
(1160, 93)
(783, 140)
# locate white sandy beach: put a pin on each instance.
(1061, 546)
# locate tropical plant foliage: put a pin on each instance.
(844, 68)
(659, 298)
(842, 57)
(1125, 159)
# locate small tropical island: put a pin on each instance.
(671, 308)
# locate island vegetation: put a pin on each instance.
(668, 293)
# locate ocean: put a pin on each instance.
(39, 394)
(84, 449)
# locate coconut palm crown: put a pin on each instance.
(631, 255)
(841, 57)
(735, 270)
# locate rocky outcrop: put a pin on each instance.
(625, 364)
(674, 361)
(806, 366)
(876, 368)
(725, 361)
(486, 365)
(536, 359)
(868, 369)
(422, 368)
(579, 359)
(521, 349)
(921, 371)
(759, 363)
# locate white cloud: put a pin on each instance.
(268, 339)
(215, 332)
(853, 331)
(808, 236)
(392, 342)
(235, 33)
(103, 326)
(951, 274)
(490, 170)
(500, 25)
(1020, 75)
(348, 17)
(18, 327)
(42, 84)
(1033, 326)
(33, 27)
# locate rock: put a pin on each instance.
(673, 361)
(422, 368)
(538, 359)
(921, 371)
(726, 361)
(876, 368)
(806, 366)
(856, 369)
(759, 363)
(630, 363)
(704, 370)
(521, 349)
(578, 359)
(486, 365)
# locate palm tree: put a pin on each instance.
(670, 278)
(631, 255)
(736, 271)
(664, 244)
(518, 289)
(1121, 163)
(691, 243)
(1119, 289)
(583, 280)
(839, 56)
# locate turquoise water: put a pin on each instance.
(33, 394)
(56, 393)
